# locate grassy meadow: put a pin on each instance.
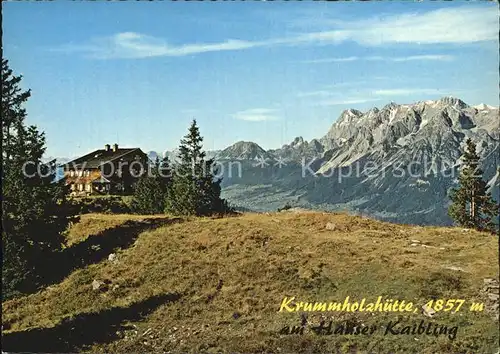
(216, 285)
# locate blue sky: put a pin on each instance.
(136, 73)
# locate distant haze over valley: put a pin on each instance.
(395, 163)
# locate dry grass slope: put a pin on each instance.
(216, 285)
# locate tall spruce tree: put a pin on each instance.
(151, 188)
(472, 206)
(34, 212)
(194, 190)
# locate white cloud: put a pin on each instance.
(315, 93)
(428, 57)
(339, 102)
(348, 87)
(330, 60)
(438, 57)
(352, 97)
(465, 24)
(256, 115)
(136, 45)
(406, 92)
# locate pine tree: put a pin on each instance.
(194, 190)
(34, 209)
(151, 188)
(472, 206)
(164, 172)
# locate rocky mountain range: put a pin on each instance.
(172, 154)
(243, 150)
(396, 163)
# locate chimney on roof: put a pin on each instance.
(115, 147)
(107, 147)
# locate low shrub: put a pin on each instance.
(104, 204)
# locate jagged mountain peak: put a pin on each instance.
(316, 145)
(152, 155)
(452, 101)
(407, 146)
(434, 127)
(242, 150)
(484, 107)
(391, 105)
(243, 144)
(297, 141)
(299, 149)
(351, 112)
(348, 116)
(425, 129)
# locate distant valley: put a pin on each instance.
(395, 163)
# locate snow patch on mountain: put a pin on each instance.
(483, 107)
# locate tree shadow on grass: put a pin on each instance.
(97, 248)
(77, 333)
